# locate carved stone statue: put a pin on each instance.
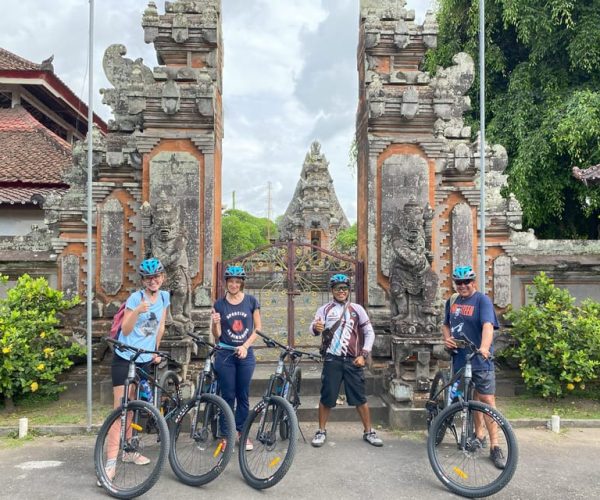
(413, 283)
(167, 242)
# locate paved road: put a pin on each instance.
(551, 466)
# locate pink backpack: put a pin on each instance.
(115, 327)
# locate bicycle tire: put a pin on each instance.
(197, 455)
(460, 462)
(169, 393)
(152, 446)
(441, 400)
(438, 401)
(271, 457)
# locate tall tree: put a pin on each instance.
(542, 100)
(242, 232)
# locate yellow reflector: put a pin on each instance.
(218, 449)
(136, 427)
(274, 462)
(460, 473)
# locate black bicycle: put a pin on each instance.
(199, 452)
(272, 424)
(133, 442)
(459, 458)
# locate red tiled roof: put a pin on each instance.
(12, 195)
(8, 60)
(29, 152)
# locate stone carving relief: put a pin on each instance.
(376, 95)
(462, 235)
(70, 276)
(413, 283)
(402, 177)
(502, 267)
(112, 246)
(180, 31)
(171, 97)
(410, 103)
(167, 242)
(178, 176)
(129, 79)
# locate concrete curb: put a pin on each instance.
(75, 430)
(51, 430)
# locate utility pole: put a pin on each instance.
(233, 200)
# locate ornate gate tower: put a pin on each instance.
(418, 187)
(157, 174)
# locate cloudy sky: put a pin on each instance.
(289, 78)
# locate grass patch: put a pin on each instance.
(528, 406)
(53, 412)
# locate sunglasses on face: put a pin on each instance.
(463, 282)
(341, 289)
(152, 278)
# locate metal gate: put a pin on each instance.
(291, 281)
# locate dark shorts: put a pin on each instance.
(120, 367)
(485, 382)
(338, 369)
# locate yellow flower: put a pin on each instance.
(48, 351)
(43, 335)
(570, 387)
(5, 350)
(34, 386)
(577, 379)
(41, 366)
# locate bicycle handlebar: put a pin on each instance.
(290, 350)
(464, 342)
(120, 346)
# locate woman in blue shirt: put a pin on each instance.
(143, 327)
(235, 319)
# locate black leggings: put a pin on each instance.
(120, 367)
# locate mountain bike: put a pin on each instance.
(459, 458)
(272, 424)
(199, 452)
(133, 442)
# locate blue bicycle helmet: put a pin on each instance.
(463, 273)
(235, 272)
(339, 279)
(151, 267)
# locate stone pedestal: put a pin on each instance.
(181, 350)
(415, 361)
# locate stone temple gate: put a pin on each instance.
(157, 186)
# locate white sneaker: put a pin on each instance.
(372, 438)
(319, 439)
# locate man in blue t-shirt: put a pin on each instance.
(471, 314)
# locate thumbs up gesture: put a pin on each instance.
(215, 317)
(144, 306)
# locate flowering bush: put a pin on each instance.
(32, 350)
(558, 343)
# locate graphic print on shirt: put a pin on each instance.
(236, 329)
(150, 325)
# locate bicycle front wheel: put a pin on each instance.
(199, 453)
(129, 463)
(463, 462)
(272, 456)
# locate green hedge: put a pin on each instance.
(558, 343)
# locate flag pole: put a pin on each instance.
(482, 145)
(89, 296)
